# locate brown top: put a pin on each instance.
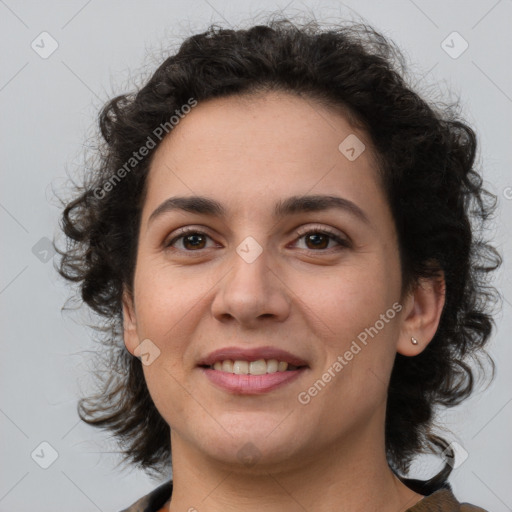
(441, 500)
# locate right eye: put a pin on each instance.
(191, 239)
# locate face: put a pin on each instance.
(317, 287)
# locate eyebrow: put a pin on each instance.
(290, 206)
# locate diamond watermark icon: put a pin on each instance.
(43, 250)
(459, 454)
(44, 455)
(351, 147)
(44, 45)
(454, 45)
(147, 351)
(248, 454)
(249, 249)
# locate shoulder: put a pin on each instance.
(153, 501)
(467, 507)
(443, 500)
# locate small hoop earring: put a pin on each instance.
(414, 341)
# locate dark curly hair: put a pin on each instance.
(426, 158)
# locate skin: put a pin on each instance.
(248, 152)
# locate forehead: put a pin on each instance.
(249, 148)
(264, 124)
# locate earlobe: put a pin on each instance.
(131, 339)
(422, 315)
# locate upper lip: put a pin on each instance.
(253, 354)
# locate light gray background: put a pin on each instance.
(48, 107)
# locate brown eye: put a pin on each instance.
(318, 240)
(190, 240)
(194, 241)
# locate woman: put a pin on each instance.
(282, 238)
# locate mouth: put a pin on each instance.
(258, 367)
(252, 372)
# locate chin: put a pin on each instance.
(253, 447)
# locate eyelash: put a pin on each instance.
(343, 243)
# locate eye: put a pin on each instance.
(318, 239)
(191, 239)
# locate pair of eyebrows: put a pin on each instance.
(285, 207)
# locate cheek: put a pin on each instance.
(166, 393)
(349, 300)
(358, 309)
(163, 302)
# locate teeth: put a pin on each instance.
(240, 367)
(272, 366)
(259, 367)
(227, 366)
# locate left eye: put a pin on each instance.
(315, 240)
(319, 239)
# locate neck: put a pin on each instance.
(352, 475)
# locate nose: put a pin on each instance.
(252, 293)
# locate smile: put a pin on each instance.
(259, 367)
(249, 383)
(252, 371)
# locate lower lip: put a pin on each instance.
(251, 384)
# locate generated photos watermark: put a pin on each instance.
(304, 397)
(137, 156)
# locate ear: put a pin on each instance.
(422, 314)
(131, 339)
